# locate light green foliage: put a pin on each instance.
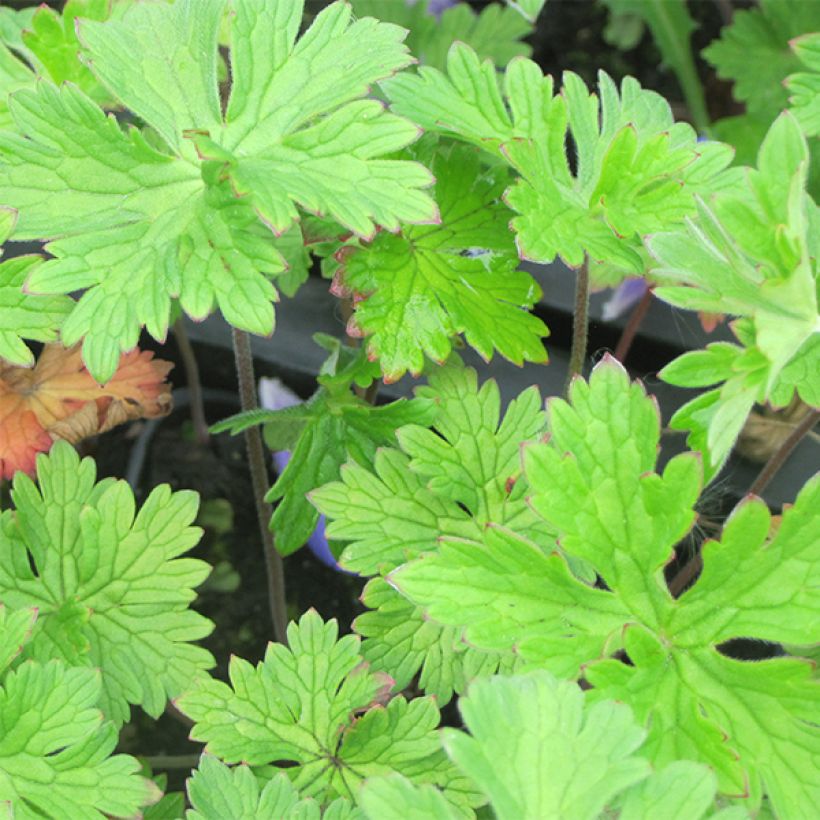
(394, 797)
(637, 170)
(218, 792)
(494, 32)
(23, 316)
(671, 26)
(15, 629)
(419, 288)
(55, 750)
(594, 483)
(751, 254)
(332, 426)
(108, 583)
(136, 225)
(804, 86)
(449, 480)
(314, 705)
(555, 754)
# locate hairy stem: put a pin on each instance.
(259, 477)
(189, 362)
(631, 328)
(580, 325)
(782, 453)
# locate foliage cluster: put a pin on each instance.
(187, 157)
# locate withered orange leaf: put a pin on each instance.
(59, 399)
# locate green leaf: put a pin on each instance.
(594, 483)
(764, 31)
(15, 631)
(469, 460)
(447, 481)
(322, 434)
(749, 254)
(495, 32)
(108, 582)
(394, 797)
(55, 751)
(804, 86)
(682, 791)
(402, 643)
(300, 706)
(588, 750)
(637, 170)
(135, 226)
(414, 291)
(23, 316)
(217, 792)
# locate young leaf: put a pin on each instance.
(529, 8)
(637, 170)
(24, 316)
(217, 792)
(412, 292)
(804, 86)
(593, 483)
(298, 706)
(110, 588)
(55, 752)
(135, 226)
(749, 254)
(58, 399)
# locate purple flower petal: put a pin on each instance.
(436, 7)
(627, 294)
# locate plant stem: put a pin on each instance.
(189, 362)
(580, 324)
(259, 477)
(631, 328)
(782, 453)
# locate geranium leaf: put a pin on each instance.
(593, 482)
(59, 399)
(298, 706)
(110, 588)
(637, 169)
(764, 31)
(55, 751)
(135, 227)
(414, 291)
(749, 254)
(217, 792)
(450, 480)
(589, 749)
(25, 316)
